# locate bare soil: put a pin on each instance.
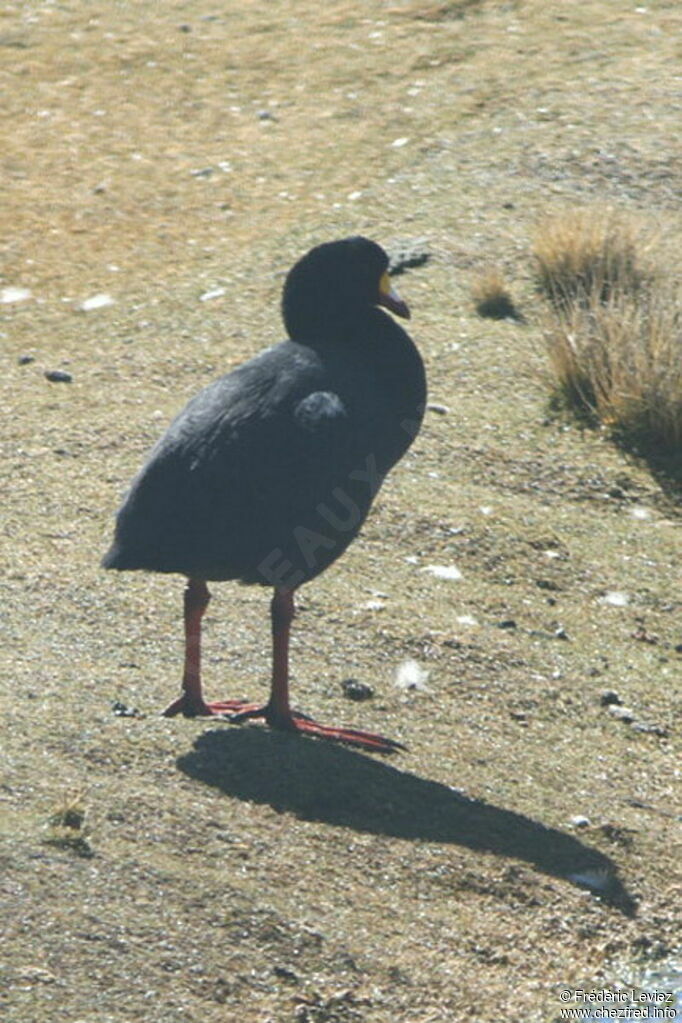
(528, 841)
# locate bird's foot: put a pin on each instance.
(295, 721)
(191, 707)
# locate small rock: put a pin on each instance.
(560, 633)
(619, 835)
(266, 115)
(24, 360)
(622, 713)
(644, 636)
(615, 598)
(36, 975)
(284, 973)
(10, 294)
(202, 172)
(442, 410)
(580, 822)
(122, 710)
(214, 293)
(609, 697)
(100, 301)
(443, 572)
(506, 623)
(355, 690)
(58, 376)
(546, 584)
(649, 729)
(407, 254)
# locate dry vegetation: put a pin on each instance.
(179, 157)
(492, 297)
(615, 340)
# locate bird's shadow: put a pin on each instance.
(317, 781)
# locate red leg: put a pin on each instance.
(191, 702)
(277, 712)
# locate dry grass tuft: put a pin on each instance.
(621, 362)
(492, 297)
(591, 256)
(67, 829)
(615, 333)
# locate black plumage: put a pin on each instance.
(268, 473)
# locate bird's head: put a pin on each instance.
(334, 285)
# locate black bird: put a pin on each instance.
(268, 474)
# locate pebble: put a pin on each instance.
(622, 713)
(355, 690)
(649, 729)
(100, 301)
(122, 710)
(609, 697)
(284, 973)
(208, 295)
(407, 254)
(614, 598)
(443, 572)
(11, 294)
(58, 376)
(24, 360)
(442, 410)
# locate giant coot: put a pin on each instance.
(268, 474)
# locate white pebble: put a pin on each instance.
(10, 294)
(466, 620)
(96, 302)
(208, 295)
(615, 598)
(443, 572)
